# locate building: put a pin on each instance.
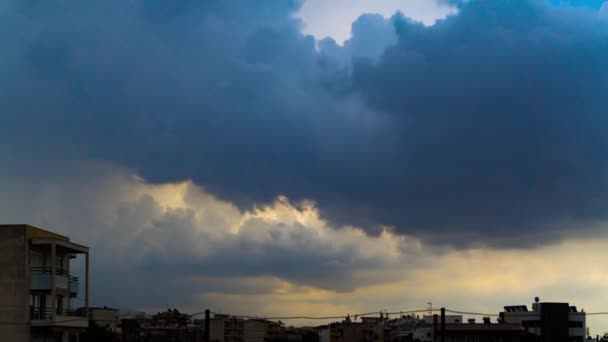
(224, 328)
(449, 319)
(486, 332)
(554, 322)
(324, 333)
(105, 318)
(38, 286)
(425, 328)
(401, 329)
(370, 329)
(254, 330)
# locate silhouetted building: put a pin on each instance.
(551, 322)
(485, 332)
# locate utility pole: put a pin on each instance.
(207, 325)
(442, 324)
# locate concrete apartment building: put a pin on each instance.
(38, 287)
(550, 322)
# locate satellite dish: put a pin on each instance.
(536, 299)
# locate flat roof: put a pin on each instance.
(39, 236)
(32, 232)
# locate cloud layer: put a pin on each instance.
(460, 132)
(189, 238)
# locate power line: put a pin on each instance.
(471, 313)
(401, 312)
(284, 318)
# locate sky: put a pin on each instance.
(313, 158)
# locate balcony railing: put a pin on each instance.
(41, 279)
(58, 271)
(46, 313)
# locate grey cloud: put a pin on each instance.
(502, 119)
(482, 128)
(181, 238)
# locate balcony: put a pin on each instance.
(41, 280)
(63, 317)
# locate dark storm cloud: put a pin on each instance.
(503, 111)
(490, 122)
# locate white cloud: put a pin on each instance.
(604, 11)
(334, 18)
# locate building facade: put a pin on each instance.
(550, 322)
(38, 286)
(106, 318)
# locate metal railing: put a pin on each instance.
(46, 313)
(73, 282)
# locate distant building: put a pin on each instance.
(324, 333)
(551, 322)
(223, 328)
(105, 318)
(449, 319)
(487, 332)
(546, 322)
(38, 286)
(401, 329)
(254, 330)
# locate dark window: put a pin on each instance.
(530, 324)
(575, 324)
(59, 305)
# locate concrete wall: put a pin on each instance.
(14, 285)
